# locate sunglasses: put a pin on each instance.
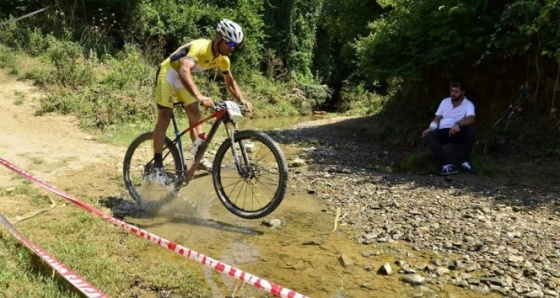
(231, 44)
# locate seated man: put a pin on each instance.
(453, 123)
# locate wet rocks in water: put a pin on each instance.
(534, 294)
(551, 293)
(441, 271)
(457, 265)
(273, 223)
(368, 253)
(385, 269)
(312, 242)
(406, 269)
(345, 261)
(367, 285)
(296, 163)
(413, 279)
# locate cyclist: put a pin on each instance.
(174, 78)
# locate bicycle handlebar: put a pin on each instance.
(221, 105)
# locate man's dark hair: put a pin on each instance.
(457, 84)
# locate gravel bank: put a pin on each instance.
(504, 232)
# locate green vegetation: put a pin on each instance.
(24, 188)
(86, 244)
(19, 98)
(98, 59)
(426, 164)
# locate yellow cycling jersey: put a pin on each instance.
(200, 51)
(168, 83)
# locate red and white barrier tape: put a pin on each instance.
(247, 278)
(74, 279)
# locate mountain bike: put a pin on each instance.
(249, 170)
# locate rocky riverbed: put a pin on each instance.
(491, 234)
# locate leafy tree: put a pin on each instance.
(335, 61)
(506, 51)
(417, 35)
(13, 8)
(290, 31)
(528, 33)
(172, 23)
(427, 41)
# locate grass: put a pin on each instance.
(114, 91)
(37, 160)
(105, 255)
(485, 166)
(425, 163)
(310, 143)
(41, 199)
(16, 62)
(123, 135)
(22, 277)
(19, 95)
(23, 187)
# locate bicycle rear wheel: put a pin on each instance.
(262, 189)
(138, 173)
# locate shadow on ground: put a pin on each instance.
(122, 208)
(350, 145)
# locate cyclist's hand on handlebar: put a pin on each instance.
(248, 106)
(206, 102)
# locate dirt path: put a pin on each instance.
(45, 146)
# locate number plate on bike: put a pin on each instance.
(233, 109)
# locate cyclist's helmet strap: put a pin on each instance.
(230, 31)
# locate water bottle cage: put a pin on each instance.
(194, 148)
(197, 143)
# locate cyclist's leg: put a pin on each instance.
(191, 109)
(193, 113)
(163, 93)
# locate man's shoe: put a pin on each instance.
(448, 169)
(159, 176)
(467, 167)
(205, 165)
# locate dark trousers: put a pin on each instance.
(439, 137)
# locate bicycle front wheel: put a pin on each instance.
(256, 189)
(138, 173)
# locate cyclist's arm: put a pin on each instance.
(234, 90)
(186, 77)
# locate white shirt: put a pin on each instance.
(451, 114)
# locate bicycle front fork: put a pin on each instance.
(247, 171)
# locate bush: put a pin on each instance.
(37, 44)
(10, 35)
(358, 101)
(72, 69)
(128, 70)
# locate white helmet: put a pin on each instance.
(230, 31)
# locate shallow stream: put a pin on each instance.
(304, 254)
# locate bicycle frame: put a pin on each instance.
(249, 170)
(221, 116)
